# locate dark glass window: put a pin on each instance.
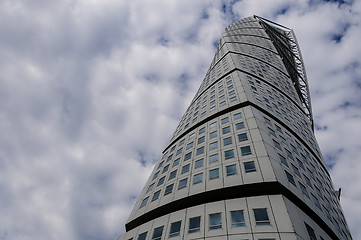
(227, 141)
(246, 150)
(213, 174)
(215, 221)
(201, 140)
(172, 175)
(175, 229)
(194, 224)
(304, 189)
(182, 183)
(197, 178)
(144, 202)
(157, 234)
(176, 162)
(213, 158)
(200, 151)
(142, 236)
(295, 169)
(165, 168)
(237, 218)
(213, 145)
(290, 178)
(226, 130)
(185, 169)
(150, 187)
(242, 137)
(179, 151)
(229, 154)
(249, 167)
(283, 159)
(213, 135)
(261, 216)
(311, 232)
(155, 195)
(231, 170)
(202, 130)
(225, 120)
(155, 175)
(277, 144)
(169, 158)
(189, 145)
(198, 163)
(187, 156)
(239, 125)
(237, 116)
(161, 181)
(168, 189)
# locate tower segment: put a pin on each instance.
(243, 163)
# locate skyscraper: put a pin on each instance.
(243, 162)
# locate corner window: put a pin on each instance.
(249, 167)
(237, 218)
(175, 229)
(231, 170)
(157, 234)
(144, 202)
(215, 221)
(214, 173)
(261, 216)
(246, 151)
(194, 225)
(197, 178)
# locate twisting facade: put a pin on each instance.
(243, 162)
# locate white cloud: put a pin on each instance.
(90, 92)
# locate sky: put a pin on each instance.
(91, 92)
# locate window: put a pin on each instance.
(181, 142)
(175, 229)
(214, 173)
(182, 183)
(308, 181)
(202, 130)
(277, 144)
(169, 158)
(155, 175)
(295, 170)
(189, 145)
(213, 125)
(304, 189)
(201, 140)
(261, 216)
(215, 221)
(229, 154)
(213, 158)
(227, 141)
(187, 156)
(155, 195)
(272, 132)
(176, 162)
(157, 234)
(172, 175)
(198, 163)
(231, 170)
(225, 120)
(179, 151)
(283, 160)
(239, 125)
(161, 181)
(165, 169)
(249, 167)
(278, 128)
(267, 120)
(315, 200)
(142, 236)
(290, 178)
(200, 151)
(168, 189)
(242, 137)
(213, 135)
(144, 202)
(194, 224)
(197, 178)
(246, 150)
(185, 169)
(150, 188)
(160, 164)
(191, 136)
(311, 232)
(237, 218)
(213, 145)
(226, 130)
(300, 164)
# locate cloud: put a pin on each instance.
(90, 92)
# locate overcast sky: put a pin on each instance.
(91, 91)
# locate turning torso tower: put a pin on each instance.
(243, 163)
